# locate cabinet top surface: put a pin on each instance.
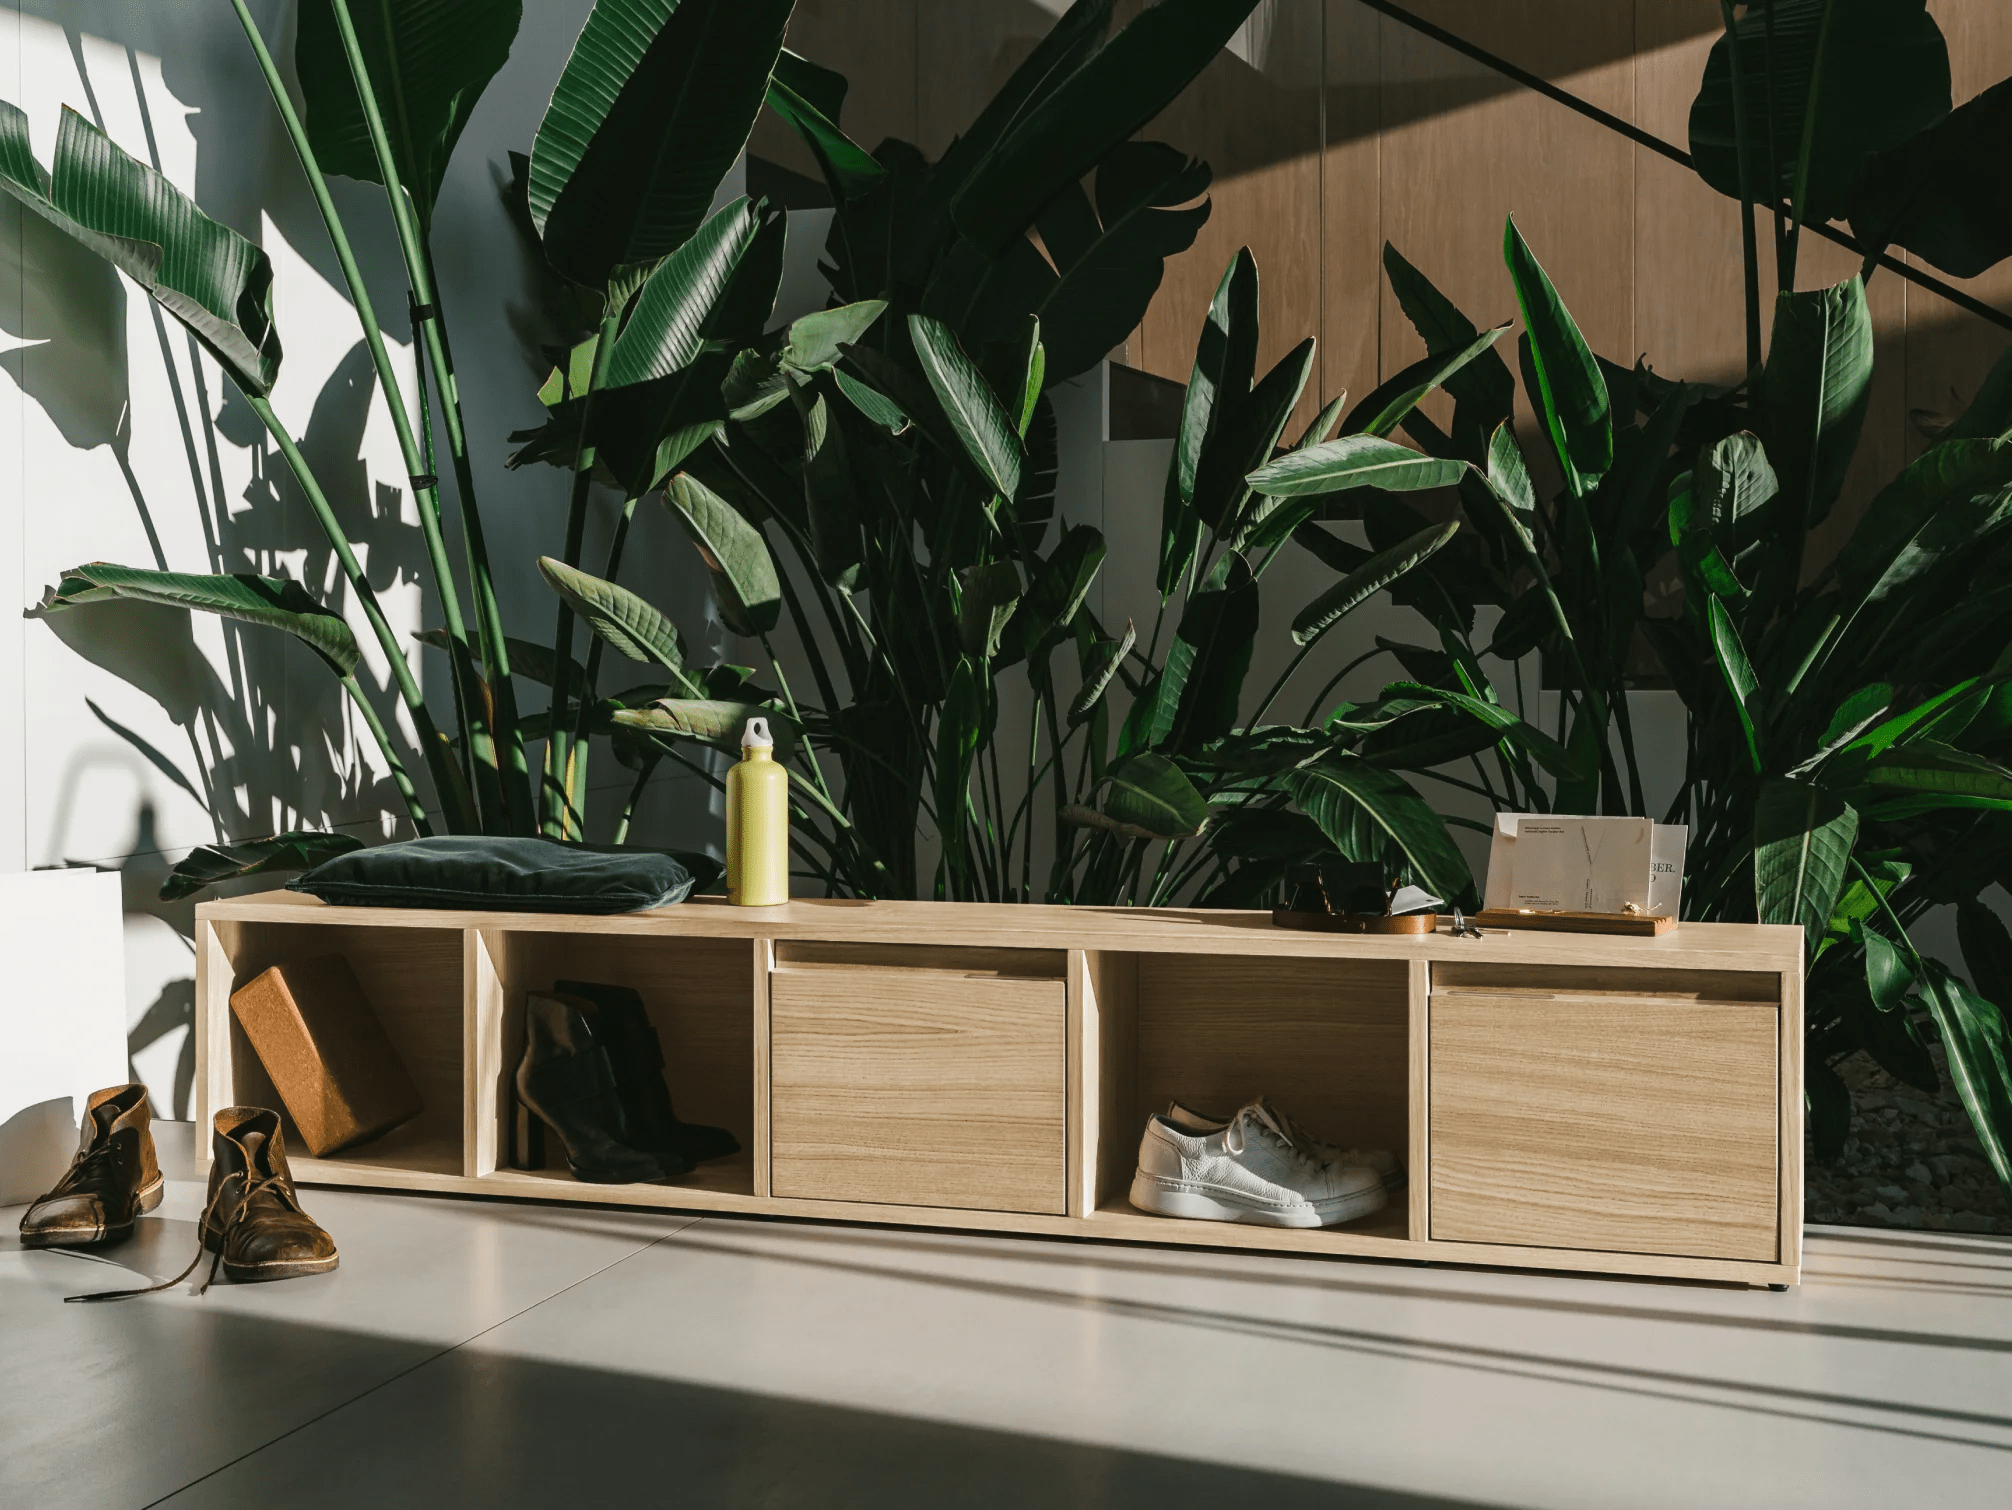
(1719, 946)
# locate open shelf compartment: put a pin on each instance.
(412, 978)
(1329, 1040)
(700, 996)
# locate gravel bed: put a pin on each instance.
(1911, 1161)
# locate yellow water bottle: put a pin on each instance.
(757, 823)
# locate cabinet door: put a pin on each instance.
(919, 1076)
(1628, 1124)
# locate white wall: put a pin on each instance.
(129, 734)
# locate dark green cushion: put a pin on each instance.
(508, 875)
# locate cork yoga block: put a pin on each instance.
(313, 1030)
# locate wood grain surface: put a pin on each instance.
(1634, 1125)
(1327, 1040)
(919, 1087)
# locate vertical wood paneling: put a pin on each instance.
(1331, 129)
(1947, 351)
(1253, 116)
(1351, 215)
(1466, 157)
(871, 42)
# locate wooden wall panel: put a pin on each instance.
(1332, 129)
(871, 42)
(1253, 116)
(1947, 351)
(1452, 176)
(1351, 200)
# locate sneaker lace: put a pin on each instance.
(252, 1187)
(1273, 1125)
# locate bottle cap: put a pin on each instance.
(756, 736)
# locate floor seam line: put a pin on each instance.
(415, 1367)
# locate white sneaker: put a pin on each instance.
(1387, 1168)
(1250, 1169)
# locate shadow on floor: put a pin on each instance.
(479, 1428)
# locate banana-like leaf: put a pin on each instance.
(1106, 656)
(1533, 741)
(652, 108)
(1956, 777)
(1211, 656)
(1059, 587)
(959, 727)
(207, 865)
(1818, 381)
(1733, 478)
(1943, 193)
(1695, 534)
(983, 428)
(736, 555)
(1484, 392)
(991, 592)
(1509, 478)
(667, 327)
(816, 340)
(1980, 1063)
(429, 61)
(1245, 436)
(709, 721)
(808, 97)
(1225, 359)
(1338, 786)
(1149, 797)
(1887, 977)
(1803, 836)
(1885, 75)
(531, 661)
(1105, 101)
(204, 274)
(1571, 397)
(621, 618)
(1354, 461)
(1110, 271)
(1389, 405)
(1944, 475)
(1366, 580)
(871, 402)
(275, 602)
(1739, 676)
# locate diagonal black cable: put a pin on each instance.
(1662, 148)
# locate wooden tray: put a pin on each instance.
(1355, 922)
(1625, 924)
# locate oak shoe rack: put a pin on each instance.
(1561, 1101)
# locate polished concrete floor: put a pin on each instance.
(493, 1355)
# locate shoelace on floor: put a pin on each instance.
(252, 1188)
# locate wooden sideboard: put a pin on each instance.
(1561, 1101)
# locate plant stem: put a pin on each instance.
(635, 796)
(425, 498)
(558, 815)
(414, 808)
(1749, 248)
(479, 742)
(1799, 199)
(447, 778)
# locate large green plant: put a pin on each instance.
(1849, 729)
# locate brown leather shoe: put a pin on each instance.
(113, 1179)
(253, 1220)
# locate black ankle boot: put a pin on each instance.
(622, 1024)
(564, 1082)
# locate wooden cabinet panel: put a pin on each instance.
(1619, 1124)
(919, 1086)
